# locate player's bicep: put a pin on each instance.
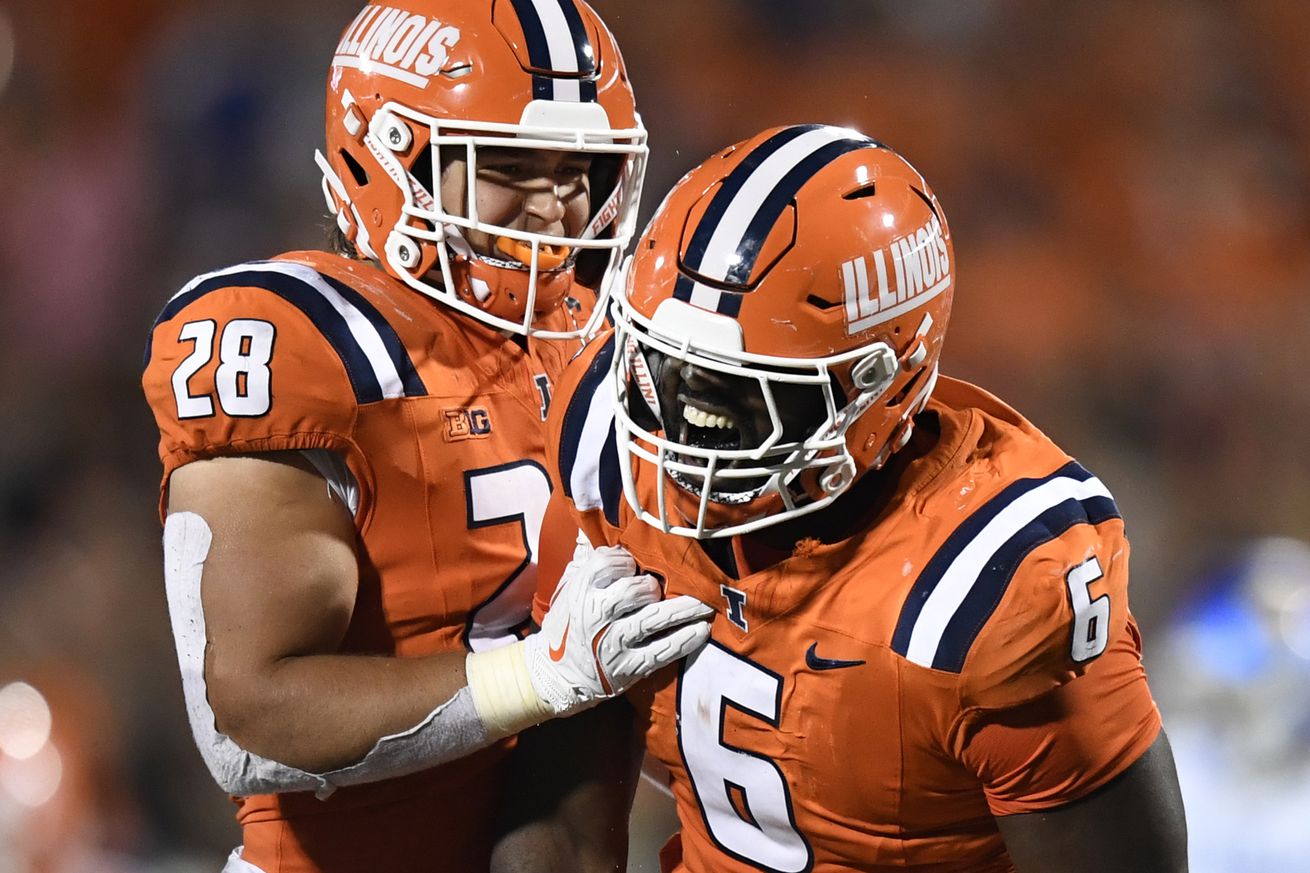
(280, 576)
(1133, 825)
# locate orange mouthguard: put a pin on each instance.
(548, 257)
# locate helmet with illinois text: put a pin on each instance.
(779, 328)
(420, 94)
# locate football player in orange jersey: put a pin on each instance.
(923, 657)
(353, 446)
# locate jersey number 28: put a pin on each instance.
(242, 380)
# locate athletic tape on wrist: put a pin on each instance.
(502, 690)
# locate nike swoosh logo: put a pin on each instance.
(814, 662)
(558, 653)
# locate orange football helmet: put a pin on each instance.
(414, 82)
(807, 257)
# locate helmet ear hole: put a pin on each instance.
(906, 389)
(356, 169)
(422, 171)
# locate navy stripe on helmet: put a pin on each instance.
(770, 209)
(549, 87)
(729, 302)
(682, 289)
(582, 46)
(748, 251)
(534, 33)
(730, 188)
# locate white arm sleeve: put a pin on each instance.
(452, 730)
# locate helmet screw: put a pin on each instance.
(403, 251)
(875, 371)
(395, 133)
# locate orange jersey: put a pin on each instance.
(871, 704)
(440, 421)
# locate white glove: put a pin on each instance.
(608, 628)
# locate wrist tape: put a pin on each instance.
(502, 690)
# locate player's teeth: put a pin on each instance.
(701, 418)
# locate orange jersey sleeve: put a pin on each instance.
(1067, 602)
(268, 356)
(1068, 743)
(1027, 590)
(1053, 698)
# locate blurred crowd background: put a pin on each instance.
(1128, 183)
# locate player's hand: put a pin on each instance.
(608, 628)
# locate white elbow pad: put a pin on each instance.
(451, 731)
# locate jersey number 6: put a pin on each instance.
(1091, 618)
(743, 795)
(242, 380)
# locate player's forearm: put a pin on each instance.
(572, 816)
(322, 712)
(272, 708)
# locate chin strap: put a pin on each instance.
(609, 210)
(639, 370)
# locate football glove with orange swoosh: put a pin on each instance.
(607, 627)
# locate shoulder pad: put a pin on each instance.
(371, 352)
(582, 433)
(988, 556)
(268, 356)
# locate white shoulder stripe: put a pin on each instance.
(959, 578)
(584, 482)
(361, 329)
